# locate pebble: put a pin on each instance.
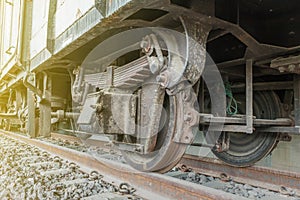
(247, 187)
(243, 190)
(20, 179)
(210, 178)
(203, 179)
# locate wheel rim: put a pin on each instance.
(167, 153)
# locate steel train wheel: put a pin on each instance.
(245, 149)
(167, 153)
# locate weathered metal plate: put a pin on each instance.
(68, 12)
(86, 114)
(10, 31)
(117, 113)
(39, 26)
(113, 5)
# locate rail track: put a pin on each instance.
(28, 172)
(280, 185)
(272, 179)
(149, 185)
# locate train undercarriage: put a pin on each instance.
(152, 90)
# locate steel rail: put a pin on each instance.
(65, 137)
(273, 179)
(148, 185)
(103, 143)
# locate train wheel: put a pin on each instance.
(168, 52)
(167, 153)
(245, 149)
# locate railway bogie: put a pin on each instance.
(151, 74)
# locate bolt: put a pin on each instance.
(93, 106)
(187, 117)
(98, 107)
(162, 79)
(154, 65)
(31, 78)
(186, 96)
(281, 69)
(138, 149)
(291, 33)
(144, 44)
(286, 107)
(187, 138)
(291, 67)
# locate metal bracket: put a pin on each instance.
(28, 81)
(290, 64)
(223, 142)
(285, 137)
(187, 117)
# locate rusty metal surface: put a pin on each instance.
(112, 102)
(69, 138)
(149, 184)
(289, 64)
(272, 179)
(93, 141)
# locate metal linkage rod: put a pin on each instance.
(249, 97)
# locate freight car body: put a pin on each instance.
(47, 82)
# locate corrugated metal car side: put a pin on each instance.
(51, 18)
(71, 19)
(68, 12)
(11, 31)
(39, 26)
